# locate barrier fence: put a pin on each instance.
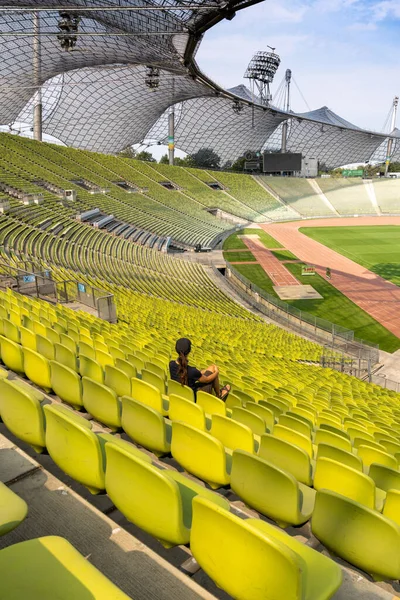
(324, 332)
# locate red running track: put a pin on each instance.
(378, 297)
(276, 271)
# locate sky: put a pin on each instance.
(342, 53)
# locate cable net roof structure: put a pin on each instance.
(95, 96)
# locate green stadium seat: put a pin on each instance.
(50, 567)
(117, 380)
(231, 434)
(90, 368)
(37, 368)
(339, 478)
(158, 501)
(65, 356)
(12, 355)
(148, 394)
(270, 490)
(102, 403)
(253, 560)
(66, 384)
(174, 387)
(358, 534)
(78, 451)
(201, 454)
(391, 447)
(287, 457)
(13, 510)
(341, 456)
(186, 411)
(391, 510)
(146, 426)
(385, 478)
(210, 404)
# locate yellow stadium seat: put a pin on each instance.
(211, 404)
(261, 411)
(371, 455)
(13, 511)
(385, 478)
(44, 347)
(101, 402)
(231, 434)
(341, 456)
(117, 380)
(253, 560)
(12, 355)
(126, 367)
(153, 379)
(149, 395)
(86, 349)
(287, 457)
(28, 338)
(323, 436)
(66, 384)
(158, 501)
(37, 368)
(250, 419)
(186, 411)
(270, 490)
(68, 342)
(11, 331)
(146, 426)
(293, 422)
(90, 368)
(174, 387)
(294, 437)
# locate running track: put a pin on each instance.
(276, 271)
(372, 293)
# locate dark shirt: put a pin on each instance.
(193, 375)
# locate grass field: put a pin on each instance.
(233, 242)
(238, 256)
(375, 247)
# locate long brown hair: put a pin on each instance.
(183, 368)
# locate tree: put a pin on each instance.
(187, 161)
(146, 156)
(127, 152)
(394, 167)
(164, 160)
(238, 165)
(206, 158)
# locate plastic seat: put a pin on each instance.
(44, 347)
(11, 331)
(136, 362)
(148, 394)
(361, 441)
(270, 490)
(296, 424)
(323, 436)
(156, 369)
(391, 446)
(186, 411)
(287, 457)
(126, 367)
(250, 419)
(262, 412)
(358, 534)
(337, 477)
(210, 404)
(117, 380)
(174, 387)
(233, 400)
(294, 437)
(13, 510)
(231, 434)
(103, 358)
(65, 356)
(253, 560)
(50, 567)
(90, 368)
(391, 510)
(78, 451)
(101, 402)
(201, 454)
(12, 355)
(146, 426)
(68, 342)
(37, 368)
(385, 478)
(153, 379)
(339, 455)
(28, 338)
(116, 353)
(158, 501)
(86, 350)
(334, 429)
(66, 384)
(371, 455)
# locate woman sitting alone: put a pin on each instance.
(206, 380)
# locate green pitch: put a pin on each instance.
(375, 247)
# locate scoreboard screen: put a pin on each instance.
(275, 162)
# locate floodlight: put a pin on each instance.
(152, 77)
(261, 72)
(237, 107)
(68, 26)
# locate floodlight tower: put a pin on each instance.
(390, 140)
(37, 108)
(288, 79)
(261, 72)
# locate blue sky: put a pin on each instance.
(343, 53)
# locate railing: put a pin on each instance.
(324, 332)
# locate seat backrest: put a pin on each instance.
(116, 352)
(342, 456)
(385, 478)
(12, 355)
(338, 477)
(87, 350)
(334, 429)
(66, 384)
(22, 414)
(323, 436)
(265, 413)
(362, 441)
(156, 369)
(391, 446)
(272, 407)
(371, 455)
(296, 424)
(45, 347)
(136, 362)
(144, 425)
(286, 456)
(67, 341)
(52, 335)
(147, 394)
(186, 411)
(103, 358)
(117, 380)
(74, 447)
(246, 417)
(210, 404)
(11, 331)
(126, 367)
(64, 356)
(233, 400)
(174, 387)
(144, 494)
(259, 483)
(235, 556)
(153, 379)
(37, 368)
(294, 437)
(244, 397)
(231, 434)
(101, 402)
(199, 453)
(28, 338)
(90, 368)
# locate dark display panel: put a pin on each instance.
(274, 162)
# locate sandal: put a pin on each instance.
(224, 392)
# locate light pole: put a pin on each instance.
(390, 140)
(37, 107)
